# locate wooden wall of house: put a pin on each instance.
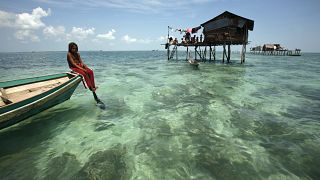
(227, 28)
(228, 35)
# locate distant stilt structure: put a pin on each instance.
(274, 50)
(224, 30)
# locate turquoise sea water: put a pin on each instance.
(168, 120)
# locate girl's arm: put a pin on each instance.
(84, 65)
(71, 60)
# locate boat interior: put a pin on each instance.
(19, 93)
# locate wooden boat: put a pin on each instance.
(193, 62)
(23, 98)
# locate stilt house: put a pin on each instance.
(224, 30)
(227, 28)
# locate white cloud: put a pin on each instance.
(25, 23)
(107, 36)
(54, 32)
(7, 19)
(132, 5)
(95, 40)
(145, 41)
(33, 20)
(59, 33)
(161, 38)
(25, 35)
(128, 39)
(80, 33)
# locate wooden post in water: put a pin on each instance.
(205, 53)
(214, 53)
(210, 51)
(168, 45)
(245, 43)
(244, 54)
(229, 49)
(176, 52)
(168, 50)
(187, 53)
(224, 52)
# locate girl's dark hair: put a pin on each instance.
(72, 44)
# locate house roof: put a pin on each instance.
(249, 22)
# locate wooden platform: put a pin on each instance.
(206, 44)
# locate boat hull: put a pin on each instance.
(193, 62)
(34, 105)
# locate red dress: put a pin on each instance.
(87, 75)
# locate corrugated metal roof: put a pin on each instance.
(248, 22)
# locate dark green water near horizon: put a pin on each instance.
(168, 120)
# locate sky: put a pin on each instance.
(125, 25)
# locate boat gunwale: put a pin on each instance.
(58, 89)
(24, 102)
(20, 82)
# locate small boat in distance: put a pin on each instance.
(20, 99)
(193, 62)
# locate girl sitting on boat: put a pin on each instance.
(76, 64)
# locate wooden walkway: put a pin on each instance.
(278, 53)
(204, 51)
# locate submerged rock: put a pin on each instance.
(100, 126)
(108, 164)
(62, 167)
(18, 166)
(116, 109)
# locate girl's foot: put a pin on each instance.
(95, 88)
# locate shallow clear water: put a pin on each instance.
(167, 120)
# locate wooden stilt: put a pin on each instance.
(224, 52)
(214, 53)
(187, 54)
(228, 58)
(177, 53)
(168, 51)
(210, 52)
(205, 53)
(244, 53)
